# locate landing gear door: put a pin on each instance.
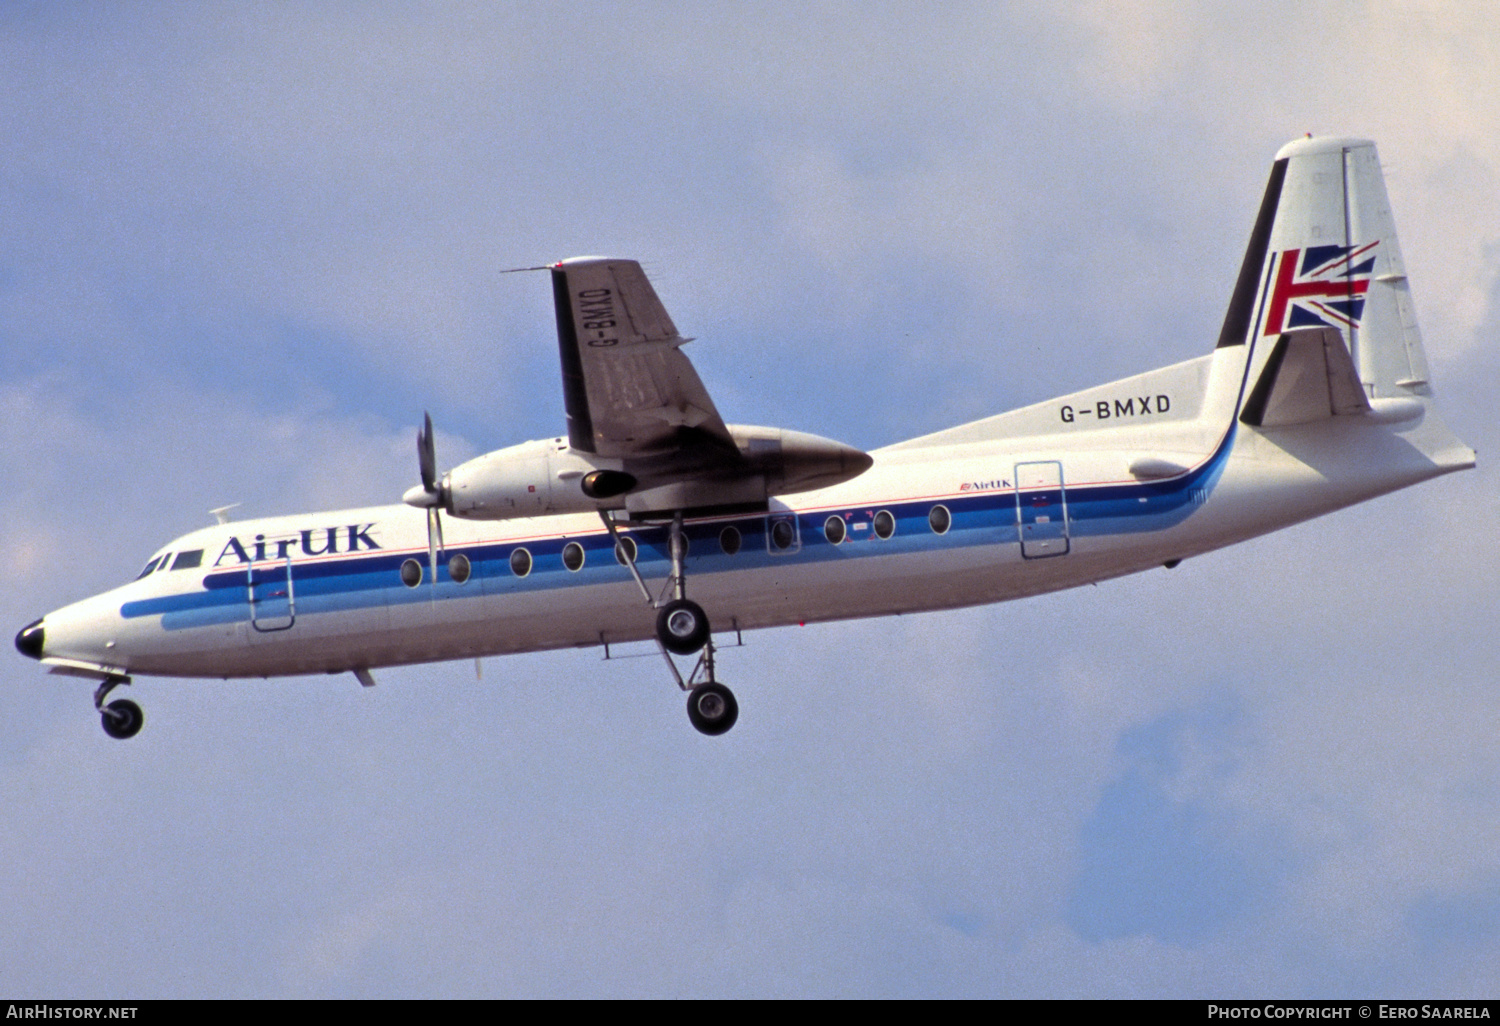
(273, 602)
(1041, 509)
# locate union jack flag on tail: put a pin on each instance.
(1326, 286)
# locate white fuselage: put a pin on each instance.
(324, 592)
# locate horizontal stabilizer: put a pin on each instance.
(1309, 376)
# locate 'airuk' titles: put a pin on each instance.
(312, 541)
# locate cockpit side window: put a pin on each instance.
(188, 560)
(164, 561)
(149, 567)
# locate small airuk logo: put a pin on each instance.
(1326, 286)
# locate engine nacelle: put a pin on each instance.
(533, 479)
(795, 461)
(546, 476)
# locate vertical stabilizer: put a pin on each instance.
(1320, 326)
(1331, 260)
(1322, 307)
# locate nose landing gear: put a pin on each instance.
(121, 718)
(682, 628)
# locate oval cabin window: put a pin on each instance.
(459, 568)
(834, 529)
(940, 519)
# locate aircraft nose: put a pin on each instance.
(30, 639)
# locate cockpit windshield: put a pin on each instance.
(188, 559)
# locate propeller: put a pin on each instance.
(430, 495)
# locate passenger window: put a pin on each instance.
(573, 556)
(626, 551)
(833, 529)
(939, 519)
(885, 524)
(729, 540)
(459, 568)
(411, 573)
(520, 562)
(784, 534)
(189, 560)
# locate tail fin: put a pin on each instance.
(1320, 325)
(1324, 254)
(1323, 306)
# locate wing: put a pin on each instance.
(628, 389)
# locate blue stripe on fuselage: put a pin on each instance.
(373, 579)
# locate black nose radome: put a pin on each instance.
(29, 640)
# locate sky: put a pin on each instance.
(245, 246)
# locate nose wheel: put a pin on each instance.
(121, 718)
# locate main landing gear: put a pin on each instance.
(712, 708)
(121, 718)
(682, 628)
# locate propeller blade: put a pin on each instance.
(431, 495)
(427, 455)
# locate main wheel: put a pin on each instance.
(122, 718)
(712, 708)
(682, 626)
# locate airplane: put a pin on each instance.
(1315, 397)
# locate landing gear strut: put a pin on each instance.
(682, 628)
(121, 718)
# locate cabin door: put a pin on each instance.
(1041, 509)
(273, 602)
